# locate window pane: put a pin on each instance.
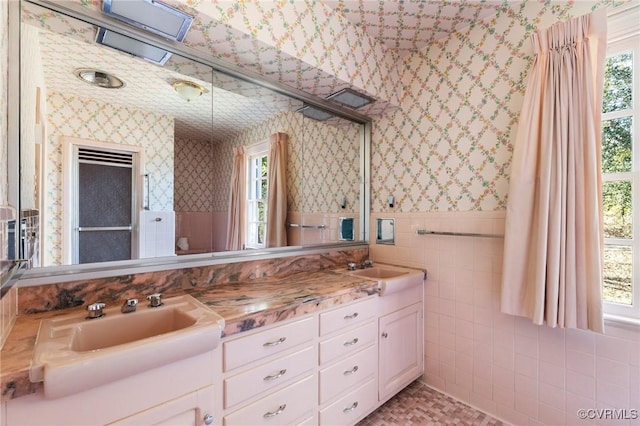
(261, 232)
(618, 82)
(616, 197)
(264, 168)
(617, 274)
(616, 145)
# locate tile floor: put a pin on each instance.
(420, 405)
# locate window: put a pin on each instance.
(621, 175)
(257, 196)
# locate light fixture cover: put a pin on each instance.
(188, 90)
(132, 46)
(150, 15)
(315, 113)
(350, 98)
(99, 78)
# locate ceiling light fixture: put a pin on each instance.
(99, 78)
(150, 15)
(315, 113)
(350, 98)
(188, 90)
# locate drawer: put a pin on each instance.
(348, 343)
(246, 385)
(352, 407)
(244, 350)
(349, 315)
(348, 373)
(293, 404)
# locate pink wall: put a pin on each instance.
(504, 365)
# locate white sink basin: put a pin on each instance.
(73, 354)
(391, 279)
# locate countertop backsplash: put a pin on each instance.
(49, 297)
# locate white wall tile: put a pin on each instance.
(524, 373)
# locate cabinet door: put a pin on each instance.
(193, 409)
(400, 349)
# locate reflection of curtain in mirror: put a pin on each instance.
(237, 200)
(277, 191)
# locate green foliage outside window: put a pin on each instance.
(617, 154)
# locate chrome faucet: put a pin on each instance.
(155, 300)
(366, 264)
(129, 305)
(95, 310)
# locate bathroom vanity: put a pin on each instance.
(325, 347)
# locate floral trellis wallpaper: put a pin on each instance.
(448, 147)
(323, 162)
(193, 172)
(88, 119)
(4, 67)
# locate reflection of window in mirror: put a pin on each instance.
(257, 169)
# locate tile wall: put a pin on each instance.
(501, 364)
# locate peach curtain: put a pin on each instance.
(552, 271)
(237, 200)
(277, 187)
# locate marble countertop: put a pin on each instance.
(243, 305)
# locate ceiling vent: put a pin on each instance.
(150, 15)
(350, 98)
(132, 46)
(315, 113)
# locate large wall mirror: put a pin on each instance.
(145, 170)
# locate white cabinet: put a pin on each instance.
(194, 409)
(157, 233)
(400, 350)
(174, 393)
(348, 362)
(269, 375)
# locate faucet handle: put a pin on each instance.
(367, 263)
(155, 300)
(129, 306)
(131, 302)
(95, 310)
(351, 266)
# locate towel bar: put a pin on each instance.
(457, 234)
(297, 225)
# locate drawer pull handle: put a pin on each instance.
(350, 372)
(352, 316)
(350, 409)
(275, 376)
(385, 335)
(351, 342)
(275, 413)
(275, 342)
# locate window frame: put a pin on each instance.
(625, 39)
(260, 150)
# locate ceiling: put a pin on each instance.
(406, 26)
(401, 26)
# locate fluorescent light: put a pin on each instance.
(150, 15)
(315, 113)
(132, 46)
(350, 98)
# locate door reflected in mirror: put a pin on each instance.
(183, 142)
